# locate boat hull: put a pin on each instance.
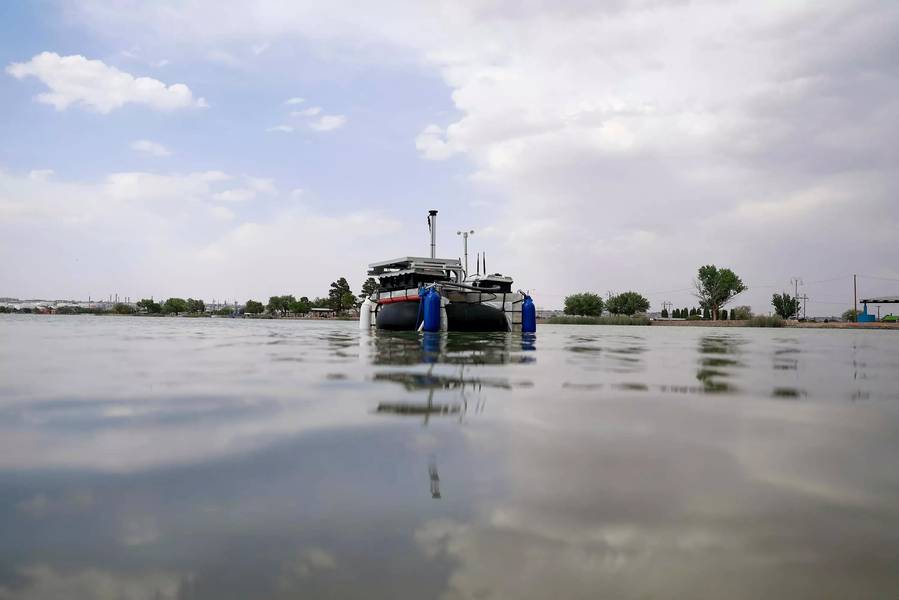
(399, 310)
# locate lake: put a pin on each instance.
(161, 458)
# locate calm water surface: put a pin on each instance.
(218, 459)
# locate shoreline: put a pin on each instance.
(786, 324)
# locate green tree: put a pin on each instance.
(706, 313)
(850, 315)
(174, 306)
(195, 306)
(684, 313)
(741, 313)
(676, 313)
(785, 306)
(692, 312)
(627, 303)
(338, 294)
(280, 304)
(716, 287)
(369, 286)
(301, 306)
(254, 308)
(664, 313)
(147, 305)
(123, 309)
(225, 311)
(348, 300)
(586, 304)
(723, 315)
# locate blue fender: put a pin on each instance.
(431, 303)
(528, 316)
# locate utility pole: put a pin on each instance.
(796, 281)
(804, 298)
(465, 235)
(855, 295)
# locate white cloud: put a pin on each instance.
(295, 100)
(432, 143)
(150, 147)
(187, 218)
(280, 129)
(40, 174)
(98, 86)
(42, 581)
(220, 212)
(260, 48)
(307, 112)
(328, 123)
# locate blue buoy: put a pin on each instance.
(431, 303)
(528, 316)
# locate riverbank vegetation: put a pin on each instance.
(766, 321)
(605, 320)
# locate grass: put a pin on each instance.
(609, 320)
(763, 321)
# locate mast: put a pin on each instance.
(432, 225)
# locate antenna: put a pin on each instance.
(465, 235)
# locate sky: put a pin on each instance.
(237, 150)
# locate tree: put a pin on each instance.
(692, 312)
(369, 286)
(785, 306)
(301, 306)
(723, 315)
(627, 303)
(254, 308)
(664, 313)
(586, 304)
(348, 300)
(706, 313)
(195, 306)
(123, 309)
(174, 306)
(280, 304)
(337, 295)
(684, 313)
(850, 315)
(147, 305)
(716, 287)
(741, 313)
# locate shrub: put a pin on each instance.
(765, 321)
(609, 320)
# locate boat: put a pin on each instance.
(433, 294)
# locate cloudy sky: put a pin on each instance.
(219, 149)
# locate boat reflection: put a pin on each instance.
(410, 348)
(457, 386)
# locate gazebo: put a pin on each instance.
(864, 317)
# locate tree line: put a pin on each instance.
(715, 288)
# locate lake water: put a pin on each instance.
(214, 458)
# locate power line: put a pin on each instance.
(880, 278)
